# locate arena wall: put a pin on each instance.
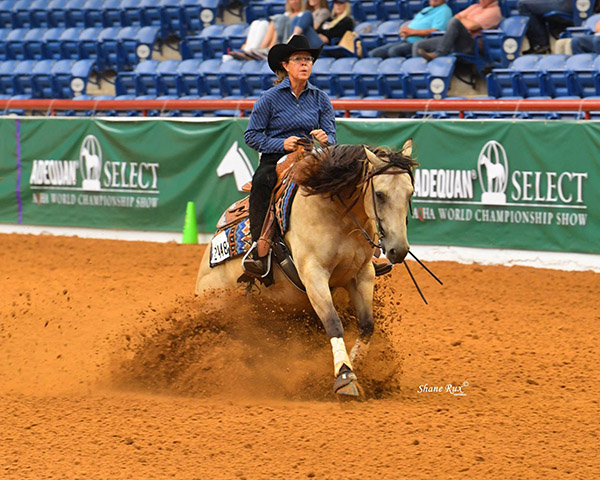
(494, 184)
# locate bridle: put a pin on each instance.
(368, 176)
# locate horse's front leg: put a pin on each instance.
(316, 282)
(360, 291)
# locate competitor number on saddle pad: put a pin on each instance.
(219, 248)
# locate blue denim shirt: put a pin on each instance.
(278, 114)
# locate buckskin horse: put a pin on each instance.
(350, 200)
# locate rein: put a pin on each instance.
(368, 182)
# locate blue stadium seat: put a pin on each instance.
(7, 69)
(363, 10)
(459, 5)
(146, 78)
(62, 78)
(57, 13)
(212, 41)
(410, 8)
(50, 44)
(342, 82)
(111, 13)
(504, 82)
(189, 80)
(416, 77)
(275, 7)
(89, 45)
(365, 74)
(41, 79)
(6, 7)
(391, 79)
(440, 72)
(526, 76)
(210, 77)
(320, 76)
(509, 8)
(166, 77)
(131, 13)
(251, 76)
(588, 27)
(389, 31)
(38, 14)
(392, 9)
(553, 75)
(191, 47)
(109, 50)
(230, 78)
(171, 19)
(137, 44)
(81, 76)
(92, 14)
(255, 10)
(20, 14)
(22, 77)
(15, 44)
(234, 36)
(268, 77)
(65, 46)
(3, 34)
(198, 14)
(34, 41)
(74, 16)
(581, 75)
(368, 35)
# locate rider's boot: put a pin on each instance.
(382, 267)
(255, 265)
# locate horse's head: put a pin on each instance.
(388, 201)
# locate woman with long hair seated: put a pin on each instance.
(334, 28)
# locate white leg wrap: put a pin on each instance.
(340, 356)
(359, 350)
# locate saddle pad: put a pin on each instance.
(235, 239)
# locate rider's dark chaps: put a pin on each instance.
(263, 182)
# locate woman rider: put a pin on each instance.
(289, 111)
(284, 114)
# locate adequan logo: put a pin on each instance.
(90, 161)
(492, 167)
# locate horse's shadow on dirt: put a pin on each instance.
(225, 347)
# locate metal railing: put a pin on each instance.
(243, 106)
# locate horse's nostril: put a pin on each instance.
(392, 252)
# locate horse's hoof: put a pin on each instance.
(346, 385)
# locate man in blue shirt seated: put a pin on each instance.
(430, 19)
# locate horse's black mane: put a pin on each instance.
(335, 169)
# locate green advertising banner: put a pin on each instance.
(502, 184)
(133, 174)
(522, 185)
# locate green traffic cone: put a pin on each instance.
(190, 228)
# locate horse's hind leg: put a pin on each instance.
(361, 295)
(317, 289)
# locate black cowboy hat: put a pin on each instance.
(282, 51)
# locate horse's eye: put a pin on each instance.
(380, 196)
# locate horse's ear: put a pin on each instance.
(371, 157)
(407, 148)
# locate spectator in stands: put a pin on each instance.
(461, 30)
(537, 33)
(431, 19)
(339, 22)
(263, 34)
(292, 109)
(317, 12)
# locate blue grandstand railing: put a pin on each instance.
(241, 107)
